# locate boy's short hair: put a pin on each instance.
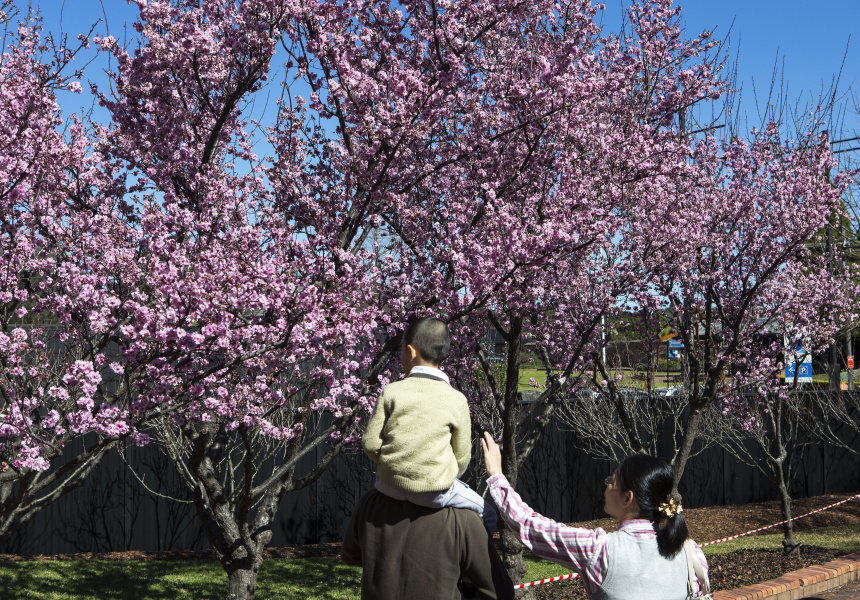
(430, 337)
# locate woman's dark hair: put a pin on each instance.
(650, 479)
(430, 337)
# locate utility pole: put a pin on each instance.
(833, 365)
(833, 358)
(849, 333)
(603, 336)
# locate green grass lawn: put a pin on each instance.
(840, 537)
(280, 579)
(539, 376)
(526, 374)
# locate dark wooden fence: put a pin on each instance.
(114, 511)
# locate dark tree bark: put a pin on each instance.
(789, 544)
(237, 510)
(512, 549)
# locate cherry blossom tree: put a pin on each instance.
(54, 306)
(443, 157)
(375, 204)
(755, 273)
(771, 433)
(176, 296)
(251, 271)
(736, 278)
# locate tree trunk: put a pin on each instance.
(512, 549)
(789, 544)
(242, 577)
(512, 558)
(691, 429)
(224, 519)
(237, 517)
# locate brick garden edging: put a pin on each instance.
(799, 584)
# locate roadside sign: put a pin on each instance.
(805, 374)
(850, 361)
(673, 344)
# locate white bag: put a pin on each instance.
(696, 571)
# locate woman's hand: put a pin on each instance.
(492, 455)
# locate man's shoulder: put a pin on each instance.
(375, 502)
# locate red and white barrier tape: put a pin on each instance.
(725, 539)
(550, 580)
(734, 537)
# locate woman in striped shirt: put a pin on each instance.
(642, 560)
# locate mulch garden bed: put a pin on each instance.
(727, 571)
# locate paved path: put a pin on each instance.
(849, 591)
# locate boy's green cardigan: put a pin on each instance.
(419, 435)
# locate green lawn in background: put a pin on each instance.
(525, 374)
(839, 537)
(280, 579)
(626, 381)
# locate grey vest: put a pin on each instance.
(636, 571)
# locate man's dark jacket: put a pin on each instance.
(412, 552)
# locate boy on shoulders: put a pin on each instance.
(420, 432)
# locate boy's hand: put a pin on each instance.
(492, 455)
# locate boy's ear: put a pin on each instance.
(412, 350)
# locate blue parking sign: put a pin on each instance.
(805, 375)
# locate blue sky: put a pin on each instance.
(808, 38)
(808, 42)
(812, 42)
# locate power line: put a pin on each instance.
(846, 140)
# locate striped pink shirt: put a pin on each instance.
(572, 547)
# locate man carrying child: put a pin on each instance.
(408, 535)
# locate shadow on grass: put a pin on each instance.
(318, 578)
(279, 579)
(84, 580)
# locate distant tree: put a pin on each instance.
(771, 432)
